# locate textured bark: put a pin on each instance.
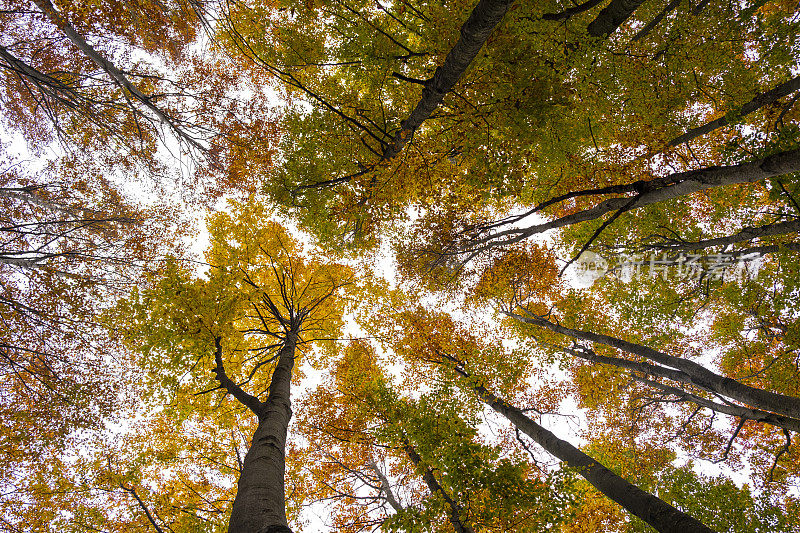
(659, 190)
(761, 100)
(260, 505)
(436, 488)
(612, 16)
(480, 24)
(656, 512)
(697, 374)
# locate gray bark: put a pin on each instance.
(784, 89)
(474, 33)
(738, 411)
(612, 16)
(744, 413)
(48, 85)
(572, 11)
(480, 24)
(641, 34)
(656, 512)
(259, 506)
(697, 374)
(658, 190)
(386, 488)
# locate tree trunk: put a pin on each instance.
(436, 488)
(746, 234)
(655, 191)
(744, 413)
(656, 512)
(697, 374)
(478, 27)
(386, 488)
(641, 34)
(260, 505)
(759, 101)
(612, 16)
(572, 11)
(116, 74)
(792, 424)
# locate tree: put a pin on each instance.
(442, 475)
(68, 76)
(633, 382)
(67, 249)
(491, 145)
(260, 309)
(436, 340)
(77, 232)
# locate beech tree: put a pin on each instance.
(424, 340)
(489, 146)
(260, 309)
(434, 468)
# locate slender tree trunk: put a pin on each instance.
(656, 191)
(436, 488)
(52, 87)
(612, 16)
(656, 512)
(746, 234)
(785, 422)
(116, 74)
(697, 374)
(744, 413)
(478, 27)
(474, 33)
(260, 505)
(759, 101)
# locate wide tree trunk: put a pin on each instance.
(260, 505)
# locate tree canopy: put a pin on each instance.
(468, 266)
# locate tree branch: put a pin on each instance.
(756, 103)
(571, 11)
(698, 374)
(248, 400)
